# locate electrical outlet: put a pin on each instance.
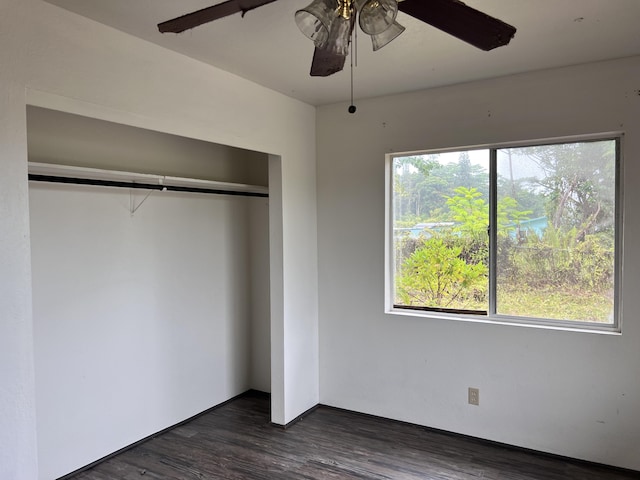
(474, 396)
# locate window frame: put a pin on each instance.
(491, 316)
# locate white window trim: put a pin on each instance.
(497, 319)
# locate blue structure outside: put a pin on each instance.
(535, 225)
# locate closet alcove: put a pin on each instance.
(150, 281)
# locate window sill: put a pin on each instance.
(565, 326)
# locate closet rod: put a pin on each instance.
(143, 186)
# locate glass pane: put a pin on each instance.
(440, 220)
(556, 231)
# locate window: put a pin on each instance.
(524, 234)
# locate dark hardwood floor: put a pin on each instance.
(236, 441)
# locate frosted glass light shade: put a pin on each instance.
(377, 15)
(315, 20)
(381, 39)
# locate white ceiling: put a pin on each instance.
(266, 46)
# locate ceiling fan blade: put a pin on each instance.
(461, 21)
(326, 63)
(209, 14)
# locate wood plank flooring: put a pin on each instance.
(236, 441)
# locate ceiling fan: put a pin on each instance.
(330, 23)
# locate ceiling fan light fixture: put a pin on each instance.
(376, 18)
(315, 20)
(382, 39)
(377, 15)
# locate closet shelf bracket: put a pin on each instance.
(133, 208)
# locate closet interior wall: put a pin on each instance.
(141, 319)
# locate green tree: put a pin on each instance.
(434, 275)
(411, 186)
(525, 192)
(576, 183)
(471, 213)
(423, 183)
(464, 176)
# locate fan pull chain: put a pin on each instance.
(355, 41)
(352, 107)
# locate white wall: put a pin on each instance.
(17, 387)
(66, 139)
(573, 394)
(139, 321)
(260, 337)
(55, 59)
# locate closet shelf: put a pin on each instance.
(46, 172)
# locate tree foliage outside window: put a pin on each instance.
(555, 231)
